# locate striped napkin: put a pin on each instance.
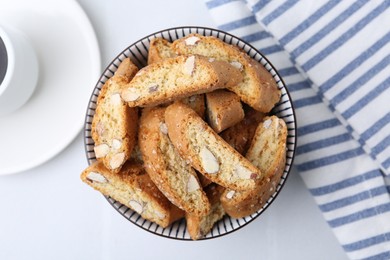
(334, 57)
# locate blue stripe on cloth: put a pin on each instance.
(323, 190)
(355, 63)
(366, 99)
(349, 128)
(376, 127)
(256, 36)
(377, 149)
(366, 213)
(260, 5)
(215, 3)
(279, 11)
(314, 127)
(308, 22)
(381, 256)
(309, 147)
(271, 49)
(331, 159)
(360, 81)
(307, 101)
(367, 242)
(288, 71)
(340, 203)
(386, 163)
(345, 37)
(238, 23)
(328, 28)
(299, 86)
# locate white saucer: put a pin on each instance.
(69, 64)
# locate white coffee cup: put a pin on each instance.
(18, 69)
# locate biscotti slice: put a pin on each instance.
(171, 173)
(240, 135)
(176, 78)
(126, 69)
(159, 50)
(207, 152)
(258, 89)
(132, 187)
(268, 153)
(200, 226)
(224, 109)
(114, 125)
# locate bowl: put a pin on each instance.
(138, 53)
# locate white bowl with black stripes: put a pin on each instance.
(138, 53)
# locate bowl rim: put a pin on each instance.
(295, 127)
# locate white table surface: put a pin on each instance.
(48, 213)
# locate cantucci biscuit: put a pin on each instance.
(224, 109)
(132, 187)
(176, 78)
(207, 152)
(159, 50)
(199, 226)
(258, 88)
(114, 125)
(268, 153)
(168, 170)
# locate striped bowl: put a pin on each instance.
(138, 53)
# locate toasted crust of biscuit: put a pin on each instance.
(176, 78)
(132, 187)
(224, 109)
(171, 174)
(207, 152)
(114, 125)
(268, 153)
(258, 89)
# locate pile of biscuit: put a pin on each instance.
(189, 134)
